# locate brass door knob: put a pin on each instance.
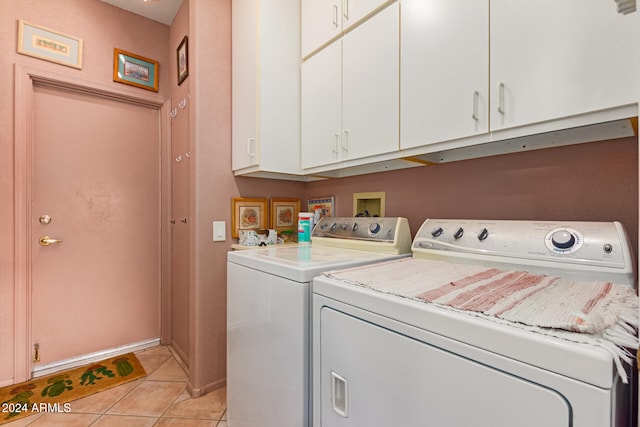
(46, 241)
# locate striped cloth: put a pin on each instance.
(598, 313)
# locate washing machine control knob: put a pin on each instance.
(563, 239)
(484, 233)
(437, 232)
(458, 234)
(374, 227)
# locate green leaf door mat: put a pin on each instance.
(54, 392)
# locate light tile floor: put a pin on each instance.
(160, 399)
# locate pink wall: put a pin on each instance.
(601, 182)
(180, 193)
(211, 187)
(102, 27)
(592, 182)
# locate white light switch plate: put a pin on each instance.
(219, 234)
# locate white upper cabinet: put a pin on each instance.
(322, 107)
(350, 94)
(324, 20)
(554, 59)
(445, 70)
(266, 87)
(370, 81)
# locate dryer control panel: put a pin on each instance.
(547, 246)
(378, 234)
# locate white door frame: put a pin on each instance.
(25, 80)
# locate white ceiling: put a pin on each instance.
(159, 10)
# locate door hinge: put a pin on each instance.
(36, 352)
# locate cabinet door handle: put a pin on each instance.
(345, 9)
(251, 142)
(335, 15)
(345, 140)
(474, 115)
(501, 98)
(335, 143)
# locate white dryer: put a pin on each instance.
(268, 315)
(383, 355)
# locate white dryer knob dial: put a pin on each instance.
(563, 239)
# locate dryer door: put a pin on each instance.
(371, 376)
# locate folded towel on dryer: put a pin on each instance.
(599, 313)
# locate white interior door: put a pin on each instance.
(95, 226)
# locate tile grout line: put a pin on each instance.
(146, 378)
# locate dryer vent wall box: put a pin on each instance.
(369, 204)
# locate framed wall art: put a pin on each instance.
(327, 204)
(50, 45)
(182, 54)
(135, 70)
(284, 214)
(248, 214)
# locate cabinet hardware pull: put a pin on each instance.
(250, 145)
(501, 98)
(335, 15)
(345, 140)
(345, 9)
(474, 115)
(335, 142)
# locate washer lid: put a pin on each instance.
(303, 263)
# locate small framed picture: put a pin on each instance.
(325, 204)
(248, 214)
(50, 45)
(135, 70)
(284, 214)
(182, 54)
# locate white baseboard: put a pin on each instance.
(61, 365)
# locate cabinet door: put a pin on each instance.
(321, 113)
(370, 86)
(321, 21)
(552, 59)
(354, 11)
(445, 70)
(244, 89)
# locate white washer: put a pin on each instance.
(268, 315)
(380, 359)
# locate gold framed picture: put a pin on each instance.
(248, 214)
(283, 214)
(135, 70)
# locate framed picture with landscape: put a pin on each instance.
(248, 214)
(284, 214)
(135, 70)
